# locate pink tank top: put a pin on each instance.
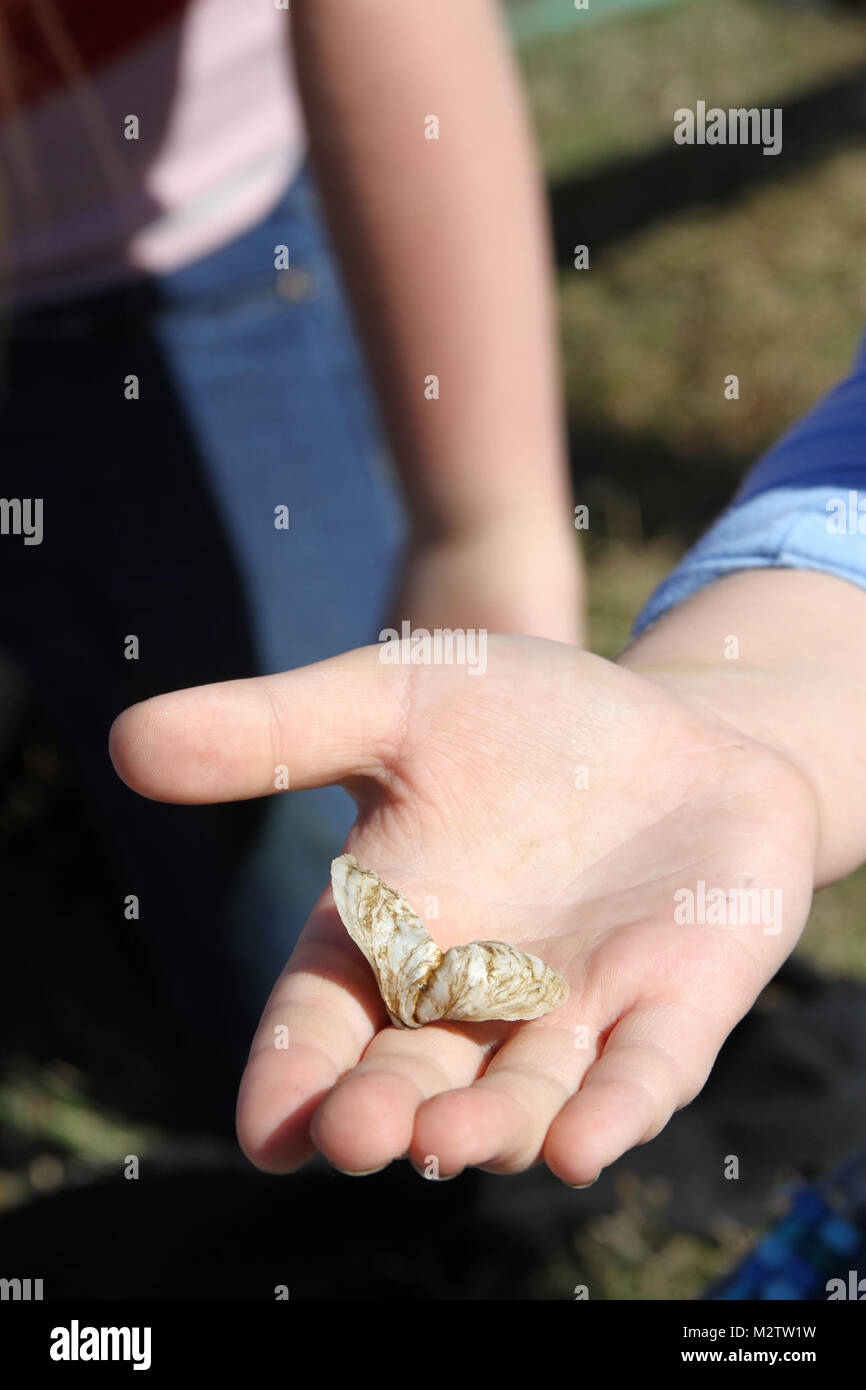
(126, 152)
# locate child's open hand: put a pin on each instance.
(557, 801)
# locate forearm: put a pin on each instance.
(445, 250)
(797, 685)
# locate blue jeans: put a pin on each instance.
(159, 522)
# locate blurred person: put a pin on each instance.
(184, 394)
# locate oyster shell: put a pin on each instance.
(418, 982)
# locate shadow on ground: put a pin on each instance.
(629, 195)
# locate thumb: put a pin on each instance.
(324, 723)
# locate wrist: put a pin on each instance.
(517, 575)
(506, 522)
(534, 549)
(768, 653)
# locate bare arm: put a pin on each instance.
(445, 249)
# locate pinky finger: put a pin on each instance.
(655, 1060)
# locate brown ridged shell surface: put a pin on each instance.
(419, 983)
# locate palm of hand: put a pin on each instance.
(557, 802)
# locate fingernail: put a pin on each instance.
(582, 1186)
(360, 1172)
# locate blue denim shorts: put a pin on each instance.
(159, 522)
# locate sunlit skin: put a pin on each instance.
(466, 789)
(445, 249)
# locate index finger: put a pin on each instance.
(322, 1013)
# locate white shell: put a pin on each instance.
(482, 980)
